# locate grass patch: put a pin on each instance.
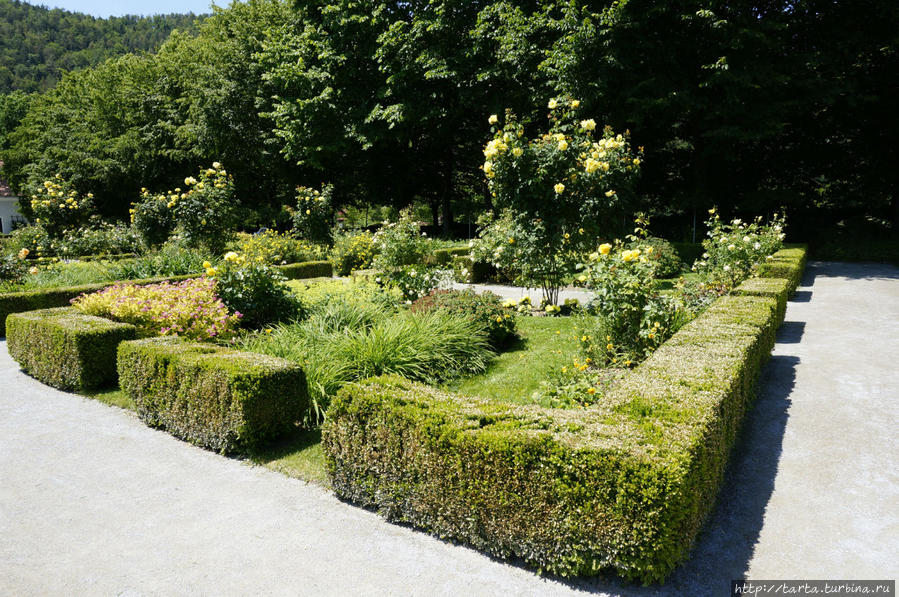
(298, 455)
(114, 396)
(670, 283)
(547, 345)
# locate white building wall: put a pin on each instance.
(9, 207)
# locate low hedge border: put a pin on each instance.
(788, 263)
(468, 271)
(307, 269)
(625, 484)
(212, 396)
(110, 257)
(445, 256)
(45, 298)
(65, 348)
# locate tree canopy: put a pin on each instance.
(747, 105)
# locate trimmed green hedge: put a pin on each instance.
(445, 256)
(212, 396)
(65, 348)
(45, 298)
(780, 289)
(307, 269)
(625, 484)
(788, 263)
(468, 271)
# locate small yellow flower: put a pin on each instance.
(206, 265)
(559, 188)
(575, 103)
(609, 346)
(588, 125)
(610, 193)
(605, 248)
(511, 241)
(210, 271)
(552, 104)
(24, 253)
(563, 145)
(231, 256)
(591, 391)
(493, 119)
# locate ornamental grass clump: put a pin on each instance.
(190, 309)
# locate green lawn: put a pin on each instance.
(547, 345)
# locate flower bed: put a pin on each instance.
(624, 484)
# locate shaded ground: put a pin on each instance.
(92, 502)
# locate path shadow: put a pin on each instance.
(801, 296)
(790, 332)
(725, 546)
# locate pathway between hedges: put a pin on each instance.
(92, 502)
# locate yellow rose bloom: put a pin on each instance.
(575, 103)
(610, 193)
(552, 104)
(563, 145)
(605, 248)
(517, 152)
(206, 265)
(493, 119)
(559, 188)
(210, 271)
(588, 125)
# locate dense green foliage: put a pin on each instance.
(38, 45)
(485, 308)
(212, 396)
(67, 349)
(624, 484)
(353, 331)
(745, 105)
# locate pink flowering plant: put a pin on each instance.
(190, 309)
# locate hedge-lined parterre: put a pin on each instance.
(65, 348)
(211, 396)
(625, 484)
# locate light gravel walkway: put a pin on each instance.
(94, 503)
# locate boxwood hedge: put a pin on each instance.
(212, 396)
(625, 484)
(65, 348)
(307, 269)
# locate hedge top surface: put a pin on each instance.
(211, 356)
(72, 320)
(655, 412)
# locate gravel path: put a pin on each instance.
(92, 502)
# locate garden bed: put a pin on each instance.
(625, 484)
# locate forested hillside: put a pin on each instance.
(37, 44)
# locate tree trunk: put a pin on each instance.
(447, 198)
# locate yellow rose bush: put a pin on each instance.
(554, 194)
(57, 206)
(313, 218)
(202, 211)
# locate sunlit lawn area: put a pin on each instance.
(547, 345)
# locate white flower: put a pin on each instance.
(746, 239)
(731, 247)
(705, 255)
(727, 268)
(757, 246)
